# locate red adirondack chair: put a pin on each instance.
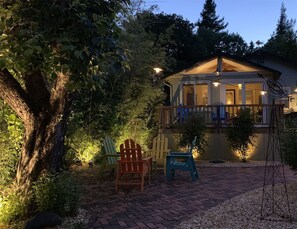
(132, 167)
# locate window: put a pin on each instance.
(202, 94)
(253, 93)
(188, 95)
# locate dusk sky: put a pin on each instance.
(252, 19)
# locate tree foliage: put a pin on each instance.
(209, 19)
(283, 41)
(48, 50)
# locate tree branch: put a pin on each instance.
(15, 96)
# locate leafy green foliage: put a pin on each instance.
(13, 205)
(289, 143)
(57, 193)
(11, 132)
(81, 146)
(194, 126)
(283, 41)
(240, 133)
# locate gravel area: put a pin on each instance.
(244, 211)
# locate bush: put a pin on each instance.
(194, 126)
(11, 137)
(13, 205)
(289, 143)
(240, 133)
(57, 193)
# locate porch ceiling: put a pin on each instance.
(228, 65)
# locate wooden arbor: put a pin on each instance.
(132, 167)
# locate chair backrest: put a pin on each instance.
(220, 112)
(193, 145)
(110, 149)
(160, 145)
(131, 157)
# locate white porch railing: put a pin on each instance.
(215, 116)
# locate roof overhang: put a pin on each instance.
(227, 66)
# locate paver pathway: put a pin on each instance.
(165, 204)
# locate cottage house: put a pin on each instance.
(218, 87)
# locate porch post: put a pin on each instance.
(243, 94)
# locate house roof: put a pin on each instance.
(260, 53)
(227, 64)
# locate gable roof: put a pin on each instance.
(228, 64)
(261, 53)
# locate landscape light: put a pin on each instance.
(158, 70)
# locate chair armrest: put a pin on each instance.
(147, 158)
(179, 156)
(179, 153)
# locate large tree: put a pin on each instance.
(175, 34)
(48, 50)
(209, 19)
(283, 41)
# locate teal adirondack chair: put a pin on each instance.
(181, 161)
(110, 156)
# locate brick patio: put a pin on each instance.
(165, 204)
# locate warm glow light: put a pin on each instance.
(228, 102)
(249, 153)
(216, 83)
(295, 89)
(195, 153)
(158, 70)
(263, 92)
(239, 86)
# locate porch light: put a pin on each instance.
(239, 85)
(295, 89)
(216, 83)
(158, 70)
(263, 92)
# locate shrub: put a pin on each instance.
(240, 133)
(57, 193)
(193, 126)
(11, 136)
(13, 205)
(82, 146)
(289, 143)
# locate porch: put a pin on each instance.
(216, 117)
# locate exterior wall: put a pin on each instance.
(288, 76)
(218, 147)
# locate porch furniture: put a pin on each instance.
(132, 167)
(159, 151)
(220, 114)
(181, 161)
(110, 156)
(182, 113)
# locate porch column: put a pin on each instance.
(243, 98)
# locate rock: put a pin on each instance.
(44, 219)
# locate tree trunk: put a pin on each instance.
(44, 113)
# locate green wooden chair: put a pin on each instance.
(110, 156)
(181, 161)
